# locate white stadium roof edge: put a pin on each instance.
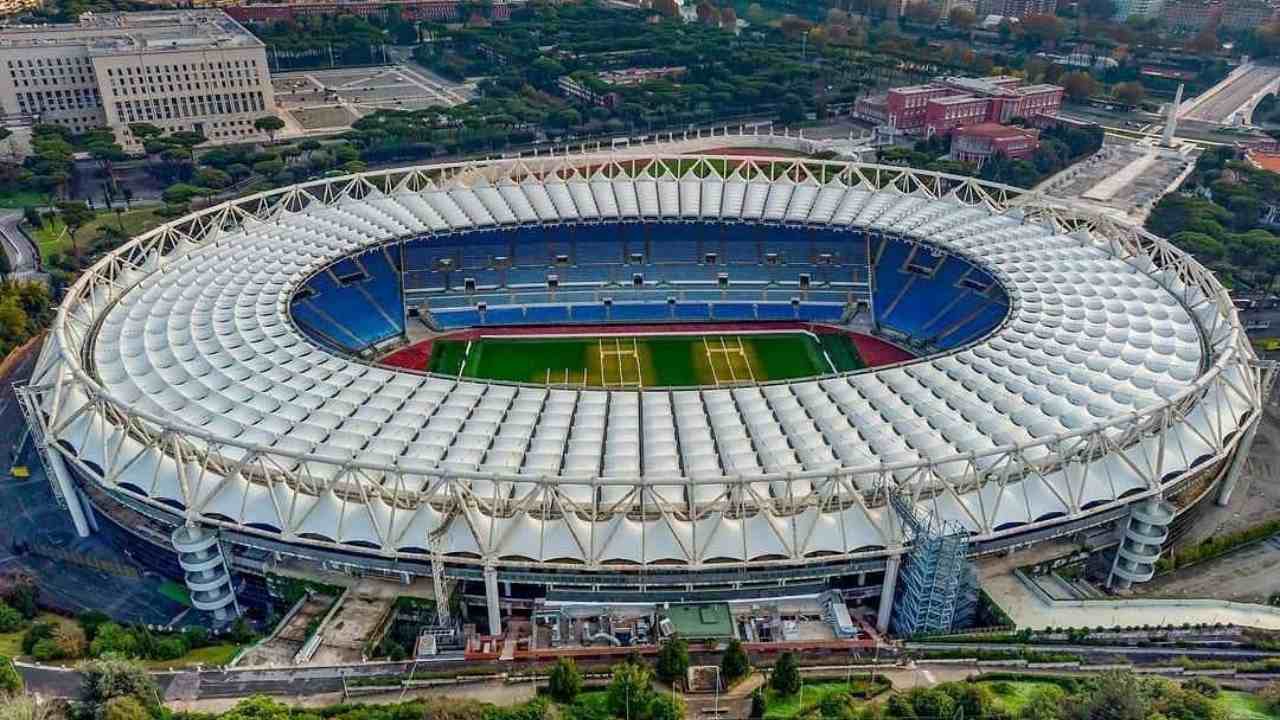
(174, 375)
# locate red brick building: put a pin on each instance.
(950, 103)
(978, 143)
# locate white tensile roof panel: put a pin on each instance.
(203, 342)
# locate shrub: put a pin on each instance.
(786, 675)
(124, 708)
(673, 660)
(734, 665)
(37, 632)
(10, 680)
(71, 640)
(92, 620)
(1202, 686)
(10, 619)
(114, 639)
(565, 682)
(46, 650)
(758, 704)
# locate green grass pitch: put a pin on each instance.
(648, 360)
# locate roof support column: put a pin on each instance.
(67, 489)
(491, 599)
(891, 566)
(1237, 465)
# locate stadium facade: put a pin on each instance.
(207, 393)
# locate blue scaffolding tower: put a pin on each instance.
(937, 587)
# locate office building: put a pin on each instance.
(177, 69)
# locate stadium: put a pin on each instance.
(626, 378)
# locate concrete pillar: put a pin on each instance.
(67, 488)
(886, 593)
(491, 599)
(1237, 465)
(88, 510)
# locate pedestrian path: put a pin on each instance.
(1031, 608)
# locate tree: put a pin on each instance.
(786, 675)
(1270, 695)
(212, 178)
(1129, 93)
(565, 682)
(665, 707)
(269, 124)
(1044, 703)
(735, 664)
(29, 707)
(1079, 85)
(673, 660)
(70, 640)
(630, 691)
(112, 677)
(10, 680)
(1041, 30)
(114, 639)
(75, 215)
(124, 708)
(961, 18)
(10, 619)
(1115, 695)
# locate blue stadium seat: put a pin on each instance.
(640, 312)
(508, 315)
(538, 314)
(820, 312)
(775, 311)
(733, 311)
(457, 317)
(692, 312)
(587, 313)
(980, 324)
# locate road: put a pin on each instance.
(1125, 650)
(1223, 101)
(23, 258)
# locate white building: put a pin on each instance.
(1126, 9)
(176, 69)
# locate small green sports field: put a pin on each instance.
(631, 361)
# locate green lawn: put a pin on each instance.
(651, 361)
(11, 642)
(1017, 692)
(175, 592)
(209, 655)
(1243, 706)
(784, 707)
(53, 238)
(589, 705)
(22, 199)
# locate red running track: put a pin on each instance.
(873, 351)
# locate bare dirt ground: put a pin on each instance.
(281, 649)
(360, 615)
(313, 118)
(1248, 574)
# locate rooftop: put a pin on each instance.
(120, 33)
(702, 621)
(994, 131)
(958, 100)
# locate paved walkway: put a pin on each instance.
(1031, 610)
